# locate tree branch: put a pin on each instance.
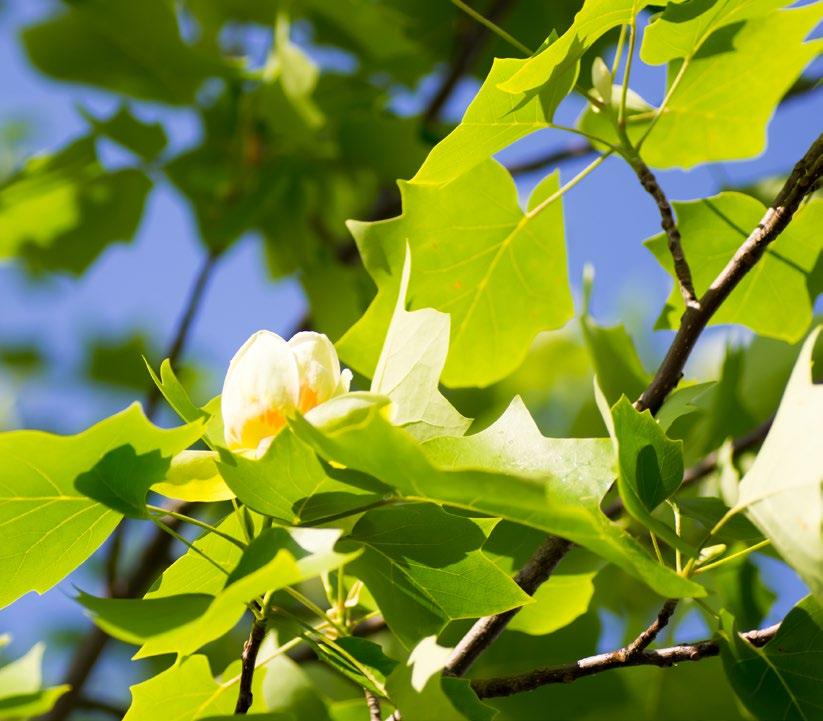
(664, 657)
(484, 632)
(807, 171)
(249, 659)
(681, 266)
(373, 704)
(181, 334)
(804, 176)
(649, 634)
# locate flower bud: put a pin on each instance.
(320, 376)
(269, 379)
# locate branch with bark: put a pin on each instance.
(681, 266)
(806, 173)
(802, 180)
(591, 665)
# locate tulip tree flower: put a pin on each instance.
(269, 379)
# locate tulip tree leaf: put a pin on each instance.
(617, 365)
(781, 492)
(682, 28)
(650, 467)
(499, 273)
(784, 678)
(145, 140)
(192, 573)
(418, 688)
(49, 526)
(122, 478)
(184, 692)
(290, 484)
(130, 48)
(59, 212)
(559, 61)
(713, 114)
(408, 371)
(193, 476)
(273, 560)
(494, 120)
(510, 470)
(775, 298)
(22, 694)
(424, 567)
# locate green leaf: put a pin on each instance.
(650, 468)
(481, 262)
(420, 693)
(562, 599)
(191, 573)
(193, 476)
(774, 298)
(130, 48)
(49, 526)
(274, 560)
(183, 692)
(135, 620)
(557, 66)
(122, 478)
(290, 484)
(682, 28)
(683, 401)
(175, 394)
(22, 694)
(729, 90)
(408, 371)
(145, 140)
(781, 492)
(59, 212)
(493, 121)
(783, 679)
(424, 567)
(707, 511)
(509, 470)
(287, 688)
(617, 365)
(358, 659)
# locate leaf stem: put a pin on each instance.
(313, 607)
(732, 557)
(496, 29)
(185, 541)
(568, 186)
(196, 522)
(618, 51)
(385, 501)
(241, 520)
(621, 113)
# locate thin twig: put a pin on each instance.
(249, 659)
(544, 560)
(649, 634)
(807, 171)
(805, 174)
(664, 657)
(183, 329)
(681, 266)
(373, 704)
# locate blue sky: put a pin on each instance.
(143, 284)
